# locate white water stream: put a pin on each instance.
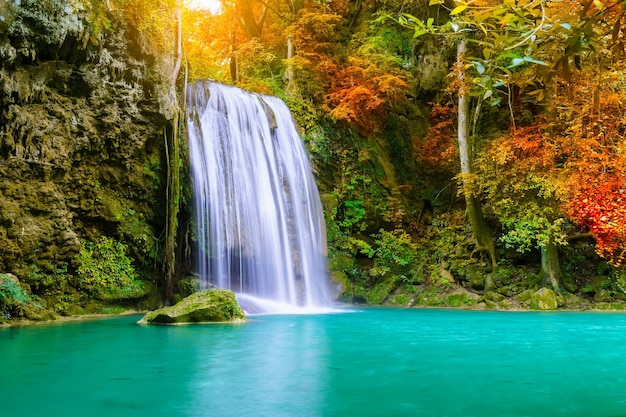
(260, 225)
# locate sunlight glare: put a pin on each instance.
(213, 6)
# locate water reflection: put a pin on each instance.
(273, 366)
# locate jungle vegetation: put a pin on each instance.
(468, 152)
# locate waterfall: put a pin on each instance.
(260, 226)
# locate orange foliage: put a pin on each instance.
(596, 163)
(527, 151)
(527, 146)
(315, 31)
(438, 149)
(361, 94)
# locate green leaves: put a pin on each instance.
(517, 61)
(12, 297)
(419, 26)
(479, 67)
(106, 272)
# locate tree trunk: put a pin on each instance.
(482, 233)
(550, 267)
(289, 76)
(179, 44)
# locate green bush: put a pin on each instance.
(105, 271)
(12, 298)
(395, 254)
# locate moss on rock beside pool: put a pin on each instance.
(544, 299)
(208, 306)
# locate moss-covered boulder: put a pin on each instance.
(208, 306)
(544, 299)
(188, 286)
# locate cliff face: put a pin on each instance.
(81, 140)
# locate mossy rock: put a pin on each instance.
(524, 296)
(208, 306)
(459, 300)
(379, 293)
(475, 276)
(35, 311)
(494, 296)
(188, 286)
(603, 296)
(609, 306)
(399, 299)
(340, 282)
(543, 299)
(461, 297)
(508, 304)
(341, 262)
(430, 299)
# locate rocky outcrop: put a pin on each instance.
(543, 299)
(208, 306)
(81, 139)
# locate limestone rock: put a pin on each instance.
(544, 299)
(206, 306)
(81, 145)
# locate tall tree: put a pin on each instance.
(480, 229)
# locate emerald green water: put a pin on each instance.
(370, 362)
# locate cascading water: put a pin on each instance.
(260, 226)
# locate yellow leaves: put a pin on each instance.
(537, 94)
(391, 85)
(502, 157)
(469, 184)
(458, 9)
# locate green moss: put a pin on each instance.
(16, 302)
(341, 261)
(399, 299)
(430, 299)
(105, 271)
(188, 286)
(152, 169)
(134, 227)
(47, 279)
(459, 300)
(12, 298)
(543, 299)
(202, 306)
(378, 294)
(524, 296)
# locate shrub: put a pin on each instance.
(12, 298)
(395, 253)
(105, 271)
